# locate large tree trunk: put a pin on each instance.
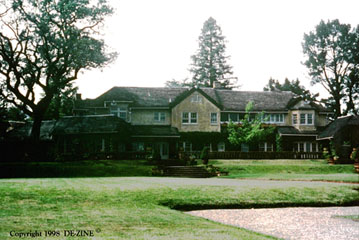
(36, 151)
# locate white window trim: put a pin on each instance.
(222, 149)
(210, 117)
(306, 119)
(272, 118)
(266, 146)
(295, 118)
(190, 118)
(160, 114)
(196, 98)
(305, 146)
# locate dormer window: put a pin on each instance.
(306, 119)
(295, 119)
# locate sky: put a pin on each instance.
(155, 40)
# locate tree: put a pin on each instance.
(210, 61)
(292, 86)
(177, 83)
(331, 52)
(62, 103)
(250, 130)
(43, 46)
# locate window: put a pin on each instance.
(295, 119)
(244, 147)
(193, 117)
(310, 118)
(189, 117)
(265, 147)
(138, 146)
(214, 118)
(119, 112)
(187, 146)
(159, 116)
(305, 147)
(234, 117)
(221, 147)
(273, 118)
(196, 98)
(302, 118)
(185, 118)
(306, 118)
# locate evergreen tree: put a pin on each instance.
(210, 61)
(292, 86)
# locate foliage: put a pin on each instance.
(249, 130)
(210, 61)
(177, 83)
(279, 143)
(292, 86)
(62, 103)
(43, 47)
(332, 59)
(205, 155)
(332, 149)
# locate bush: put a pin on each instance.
(205, 155)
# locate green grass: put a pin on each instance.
(287, 170)
(98, 168)
(351, 217)
(143, 207)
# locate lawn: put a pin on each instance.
(145, 207)
(287, 170)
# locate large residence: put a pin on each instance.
(187, 119)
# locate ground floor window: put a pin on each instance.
(138, 146)
(187, 146)
(266, 147)
(221, 147)
(305, 147)
(244, 147)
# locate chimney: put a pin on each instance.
(216, 85)
(78, 96)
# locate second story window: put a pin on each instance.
(159, 116)
(306, 119)
(295, 119)
(119, 112)
(189, 117)
(214, 119)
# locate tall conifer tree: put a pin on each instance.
(210, 61)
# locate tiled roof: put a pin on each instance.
(142, 97)
(228, 100)
(336, 126)
(90, 124)
(24, 131)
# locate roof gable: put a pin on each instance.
(188, 93)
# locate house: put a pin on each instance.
(343, 133)
(173, 119)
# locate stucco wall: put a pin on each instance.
(146, 117)
(203, 110)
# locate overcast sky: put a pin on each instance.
(156, 38)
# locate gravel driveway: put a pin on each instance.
(291, 223)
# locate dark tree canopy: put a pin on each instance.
(332, 57)
(210, 61)
(44, 45)
(292, 86)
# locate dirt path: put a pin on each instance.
(291, 223)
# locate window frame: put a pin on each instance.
(161, 116)
(190, 117)
(214, 118)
